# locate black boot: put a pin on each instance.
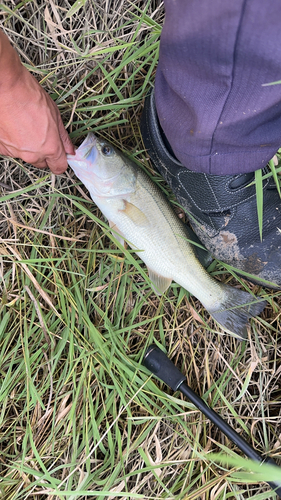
(221, 209)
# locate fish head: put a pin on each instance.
(102, 168)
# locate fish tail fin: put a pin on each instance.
(235, 311)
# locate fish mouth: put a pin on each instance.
(89, 142)
(87, 152)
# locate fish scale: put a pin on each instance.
(169, 253)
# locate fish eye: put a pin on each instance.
(107, 150)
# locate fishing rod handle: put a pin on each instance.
(156, 361)
(240, 442)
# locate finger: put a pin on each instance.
(27, 158)
(38, 161)
(5, 151)
(67, 144)
(57, 164)
(40, 164)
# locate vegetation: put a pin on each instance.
(79, 415)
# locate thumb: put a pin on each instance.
(57, 163)
(66, 141)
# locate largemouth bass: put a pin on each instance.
(138, 211)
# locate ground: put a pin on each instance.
(79, 415)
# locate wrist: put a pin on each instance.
(11, 68)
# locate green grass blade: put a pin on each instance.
(259, 197)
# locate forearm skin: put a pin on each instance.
(11, 68)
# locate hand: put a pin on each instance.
(31, 127)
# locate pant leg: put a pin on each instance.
(215, 56)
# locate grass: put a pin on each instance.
(79, 415)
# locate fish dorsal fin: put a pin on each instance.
(135, 214)
(159, 283)
(116, 232)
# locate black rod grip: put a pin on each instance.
(158, 363)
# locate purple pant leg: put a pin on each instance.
(215, 56)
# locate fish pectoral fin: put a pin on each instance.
(116, 232)
(159, 283)
(135, 214)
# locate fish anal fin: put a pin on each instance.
(116, 232)
(135, 214)
(159, 283)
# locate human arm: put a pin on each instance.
(31, 127)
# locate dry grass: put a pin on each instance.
(78, 415)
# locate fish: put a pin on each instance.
(138, 212)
